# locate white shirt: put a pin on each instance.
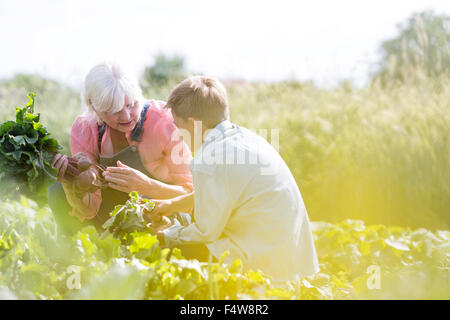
(251, 206)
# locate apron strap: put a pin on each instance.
(101, 131)
(135, 134)
(139, 128)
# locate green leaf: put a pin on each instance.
(37, 126)
(29, 117)
(19, 141)
(6, 127)
(26, 150)
(142, 241)
(30, 104)
(20, 113)
(32, 137)
(17, 154)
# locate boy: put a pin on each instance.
(246, 200)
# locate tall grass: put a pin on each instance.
(380, 153)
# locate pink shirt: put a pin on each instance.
(155, 149)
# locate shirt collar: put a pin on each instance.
(218, 130)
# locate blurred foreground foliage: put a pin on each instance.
(37, 263)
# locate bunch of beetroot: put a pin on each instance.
(90, 181)
(26, 154)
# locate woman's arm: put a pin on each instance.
(84, 204)
(83, 141)
(127, 179)
(160, 190)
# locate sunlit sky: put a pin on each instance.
(323, 40)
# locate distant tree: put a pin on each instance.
(423, 45)
(164, 70)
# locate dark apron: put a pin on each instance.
(128, 156)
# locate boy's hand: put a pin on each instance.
(159, 224)
(158, 215)
(161, 239)
(163, 208)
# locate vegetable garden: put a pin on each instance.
(358, 259)
(36, 263)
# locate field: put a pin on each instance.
(372, 164)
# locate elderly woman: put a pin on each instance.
(132, 138)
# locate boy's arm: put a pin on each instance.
(213, 207)
(183, 203)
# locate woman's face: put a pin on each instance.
(125, 120)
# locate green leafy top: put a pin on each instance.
(26, 152)
(129, 217)
(36, 263)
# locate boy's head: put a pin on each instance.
(199, 98)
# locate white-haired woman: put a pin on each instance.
(131, 138)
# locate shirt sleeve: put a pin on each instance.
(213, 208)
(83, 138)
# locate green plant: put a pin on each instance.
(59, 103)
(165, 69)
(26, 153)
(36, 263)
(129, 217)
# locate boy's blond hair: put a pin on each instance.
(200, 97)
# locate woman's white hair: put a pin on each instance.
(106, 86)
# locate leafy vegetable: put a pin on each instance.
(26, 153)
(129, 217)
(36, 263)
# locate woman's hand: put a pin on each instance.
(69, 168)
(60, 162)
(126, 179)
